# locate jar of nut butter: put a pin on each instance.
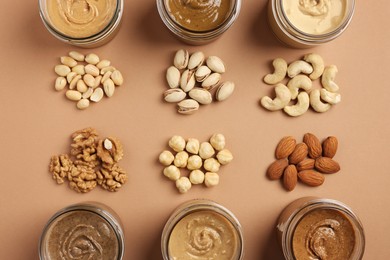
(202, 229)
(317, 228)
(83, 231)
(308, 23)
(197, 21)
(82, 23)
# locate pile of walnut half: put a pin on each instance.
(301, 75)
(92, 161)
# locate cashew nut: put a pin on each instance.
(318, 65)
(283, 96)
(280, 66)
(298, 67)
(330, 97)
(300, 107)
(328, 77)
(299, 81)
(316, 102)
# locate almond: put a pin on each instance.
(313, 145)
(285, 147)
(299, 153)
(326, 165)
(290, 177)
(329, 147)
(306, 164)
(275, 170)
(311, 178)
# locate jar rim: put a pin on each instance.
(315, 204)
(196, 205)
(97, 208)
(88, 40)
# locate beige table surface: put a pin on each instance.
(36, 122)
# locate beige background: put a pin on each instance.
(36, 122)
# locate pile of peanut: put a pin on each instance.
(87, 77)
(306, 161)
(92, 161)
(192, 78)
(202, 160)
(301, 75)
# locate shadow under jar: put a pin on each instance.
(317, 228)
(197, 21)
(83, 231)
(202, 229)
(82, 23)
(308, 23)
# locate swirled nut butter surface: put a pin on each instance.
(203, 235)
(324, 234)
(315, 16)
(82, 235)
(199, 15)
(81, 18)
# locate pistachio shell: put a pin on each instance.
(202, 96)
(211, 81)
(180, 60)
(187, 106)
(173, 77)
(174, 95)
(196, 60)
(187, 80)
(216, 64)
(225, 90)
(202, 73)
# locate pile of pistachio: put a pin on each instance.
(192, 78)
(88, 78)
(202, 160)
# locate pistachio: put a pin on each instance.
(174, 95)
(173, 77)
(180, 60)
(79, 69)
(73, 95)
(202, 73)
(216, 64)
(76, 55)
(89, 80)
(109, 87)
(62, 70)
(92, 58)
(92, 69)
(97, 95)
(187, 106)
(201, 95)
(117, 77)
(68, 61)
(83, 103)
(211, 81)
(74, 81)
(60, 83)
(103, 63)
(187, 80)
(225, 90)
(196, 60)
(70, 76)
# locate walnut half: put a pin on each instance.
(110, 150)
(60, 166)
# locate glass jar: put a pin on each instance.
(88, 229)
(310, 223)
(301, 29)
(199, 228)
(71, 22)
(207, 31)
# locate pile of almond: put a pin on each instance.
(306, 161)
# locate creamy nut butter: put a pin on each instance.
(306, 23)
(83, 231)
(313, 228)
(199, 15)
(85, 23)
(81, 18)
(202, 230)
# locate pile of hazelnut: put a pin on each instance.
(202, 160)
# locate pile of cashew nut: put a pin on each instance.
(301, 74)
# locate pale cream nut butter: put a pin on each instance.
(81, 18)
(315, 16)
